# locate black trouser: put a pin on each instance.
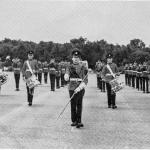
(52, 81)
(30, 93)
(141, 83)
(144, 80)
(137, 83)
(129, 80)
(99, 83)
(103, 86)
(76, 106)
(111, 96)
(45, 77)
(62, 80)
(147, 86)
(40, 77)
(17, 78)
(126, 79)
(133, 81)
(57, 81)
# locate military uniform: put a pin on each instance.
(45, 71)
(17, 69)
(27, 74)
(52, 75)
(58, 74)
(143, 69)
(103, 81)
(148, 76)
(76, 74)
(63, 70)
(125, 71)
(138, 77)
(40, 70)
(134, 75)
(106, 75)
(98, 69)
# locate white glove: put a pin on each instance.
(77, 90)
(108, 74)
(82, 85)
(66, 77)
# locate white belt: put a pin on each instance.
(29, 70)
(45, 68)
(16, 68)
(51, 69)
(76, 79)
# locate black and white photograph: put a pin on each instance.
(74, 74)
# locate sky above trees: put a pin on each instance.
(60, 21)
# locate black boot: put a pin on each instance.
(74, 124)
(114, 107)
(79, 125)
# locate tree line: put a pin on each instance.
(135, 51)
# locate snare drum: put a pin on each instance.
(32, 82)
(115, 85)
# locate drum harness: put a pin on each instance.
(108, 67)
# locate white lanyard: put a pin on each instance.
(29, 67)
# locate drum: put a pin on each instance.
(115, 85)
(3, 78)
(32, 82)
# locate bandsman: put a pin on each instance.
(103, 81)
(27, 74)
(52, 73)
(138, 77)
(76, 74)
(17, 69)
(45, 71)
(107, 76)
(40, 70)
(58, 74)
(98, 69)
(63, 70)
(126, 73)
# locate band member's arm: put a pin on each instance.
(24, 69)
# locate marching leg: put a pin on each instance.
(30, 93)
(79, 108)
(17, 82)
(73, 109)
(108, 87)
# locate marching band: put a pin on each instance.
(63, 73)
